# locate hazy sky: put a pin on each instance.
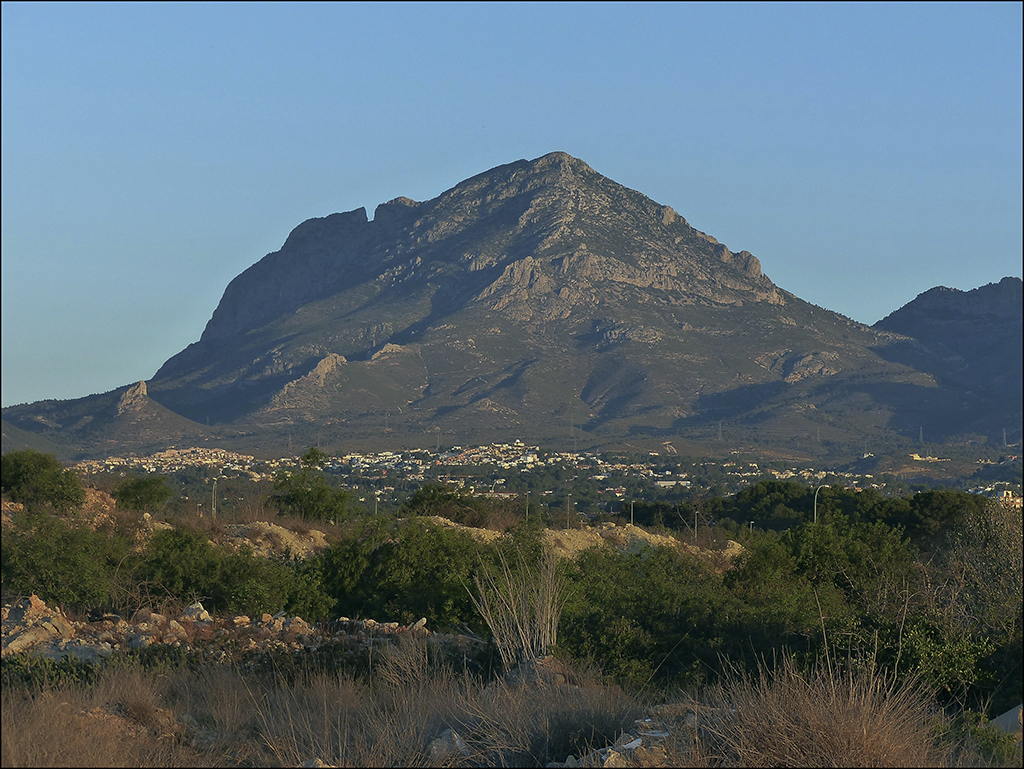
(150, 153)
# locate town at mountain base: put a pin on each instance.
(543, 301)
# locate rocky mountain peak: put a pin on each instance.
(394, 211)
(135, 398)
(578, 226)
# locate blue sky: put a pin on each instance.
(864, 153)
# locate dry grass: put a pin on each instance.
(415, 698)
(521, 605)
(221, 716)
(120, 722)
(823, 717)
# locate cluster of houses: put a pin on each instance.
(659, 471)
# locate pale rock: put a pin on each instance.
(196, 613)
(446, 745)
(27, 638)
(175, 632)
(139, 640)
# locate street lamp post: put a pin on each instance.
(816, 501)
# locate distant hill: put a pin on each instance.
(972, 342)
(539, 300)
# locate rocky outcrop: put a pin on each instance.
(135, 398)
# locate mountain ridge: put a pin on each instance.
(541, 299)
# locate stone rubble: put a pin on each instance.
(30, 625)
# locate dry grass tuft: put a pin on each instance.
(824, 717)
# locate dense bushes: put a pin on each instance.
(929, 585)
(33, 478)
(83, 569)
(420, 570)
(654, 617)
(61, 564)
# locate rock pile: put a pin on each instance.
(30, 625)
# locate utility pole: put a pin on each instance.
(213, 507)
(527, 505)
(631, 512)
(568, 501)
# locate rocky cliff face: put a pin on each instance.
(530, 236)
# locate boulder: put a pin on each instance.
(196, 613)
(28, 610)
(27, 638)
(175, 632)
(139, 640)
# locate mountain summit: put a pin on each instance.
(514, 237)
(538, 300)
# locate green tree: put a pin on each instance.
(31, 477)
(307, 493)
(148, 493)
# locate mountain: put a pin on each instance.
(972, 343)
(539, 300)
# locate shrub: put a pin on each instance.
(652, 617)
(145, 493)
(420, 570)
(62, 565)
(184, 564)
(30, 477)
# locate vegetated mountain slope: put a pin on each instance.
(972, 342)
(538, 300)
